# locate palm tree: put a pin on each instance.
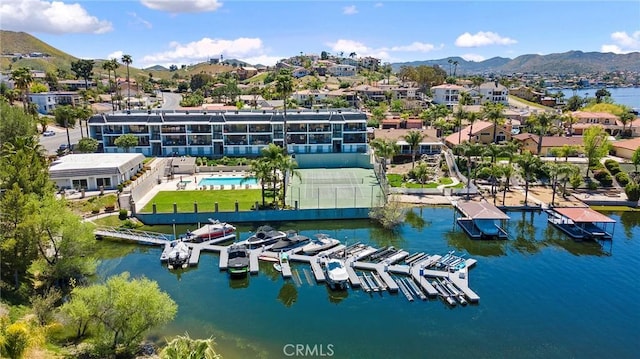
(273, 155)
(287, 165)
(626, 117)
(511, 149)
(569, 120)
(414, 138)
(284, 86)
(507, 173)
(493, 112)
(495, 173)
(468, 150)
(528, 164)
(567, 171)
(542, 122)
(260, 169)
(450, 61)
(455, 67)
(459, 115)
(110, 66)
(553, 169)
(472, 117)
(422, 173)
(384, 150)
(23, 80)
(493, 151)
(127, 60)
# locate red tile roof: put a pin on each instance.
(631, 144)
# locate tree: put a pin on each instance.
(625, 118)
(414, 138)
(635, 159)
(284, 86)
(541, 122)
(459, 116)
(602, 93)
(274, 155)
(23, 79)
(422, 172)
(128, 60)
(65, 116)
(87, 145)
(15, 123)
(183, 347)
(126, 141)
(506, 172)
(596, 145)
(261, 170)
(574, 103)
(287, 165)
(198, 81)
(83, 69)
(324, 55)
(468, 150)
(384, 150)
(493, 151)
(123, 310)
(493, 113)
(528, 164)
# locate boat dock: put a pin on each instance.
(479, 221)
(417, 275)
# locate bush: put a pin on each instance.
(123, 214)
(612, 166)
(575, 181)
(603, 177)
(622, 178)
(632, 190)
(592, 185)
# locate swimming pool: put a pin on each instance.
(227, 181)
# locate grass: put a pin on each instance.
(226, 200)
(615, 208)
(395, 180)
(529, 103)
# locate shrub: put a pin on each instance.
(575, 181)
(622, 178)
(632, 190)
(611, 163)
(134, 177)
(592, 185)
(123, 214)
(606, 181)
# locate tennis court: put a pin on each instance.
(335, 188)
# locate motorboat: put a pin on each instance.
(214, 230)
(337, 276)
(291, 241)
(265, 235)
(179, 255)
(320, 243)
(238, 264)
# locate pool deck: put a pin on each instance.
(192, 185)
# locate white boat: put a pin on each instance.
(265, 235)
(288, 242)
(214, 230)
(337, 276)
(320, 243)
(179, 255)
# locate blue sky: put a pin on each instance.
(180, 32)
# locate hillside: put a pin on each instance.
(12, 42)
(561, 63)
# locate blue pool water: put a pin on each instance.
(227, 181)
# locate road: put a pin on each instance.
(52, 143)
(170, 100)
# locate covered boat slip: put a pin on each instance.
(582, 222)
(480, 220)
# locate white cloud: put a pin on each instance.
(263, 60)
(115, 55)
(482, 38)
(53, 17)
(182, 6)
(138, 20)
(473, 57)
(378, 4)
(415, 46)
(624, 43)
(350, 10)
(206, 48)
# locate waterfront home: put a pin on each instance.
(625, 148)
(584, 120)
(482, 132)
(429, 145)
(232, 133)
(91, 171)
(529, 142)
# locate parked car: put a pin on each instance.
(48, 133)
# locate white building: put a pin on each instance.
(94, 170)
(46, 102)
(447, 94)
(342, 70)
(494, 92)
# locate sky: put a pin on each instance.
(177, 32)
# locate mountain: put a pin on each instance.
(561, 63)
(156, 68)
(12, 42)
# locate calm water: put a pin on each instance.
(541, 295)
(221, 181)
(629, 96)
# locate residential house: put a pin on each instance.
(430, 144)
(75, 85)
(446, 94)
(309, 98)
(526, 93)
(92, 171)
(349, 61)
(348, 95)
(245, 72)
(299, 72)
(494, 92)
(529, 142)
(482, 132)
(584, 120)
(366, 92)
(370, 63)
(342, 70)
(625, 148)
(46, 102)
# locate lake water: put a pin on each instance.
(629, 96)
(542, 295)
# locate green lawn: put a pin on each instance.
(395, 180)
(226, 199)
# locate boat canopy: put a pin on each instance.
(583, 215)
(480, 210)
